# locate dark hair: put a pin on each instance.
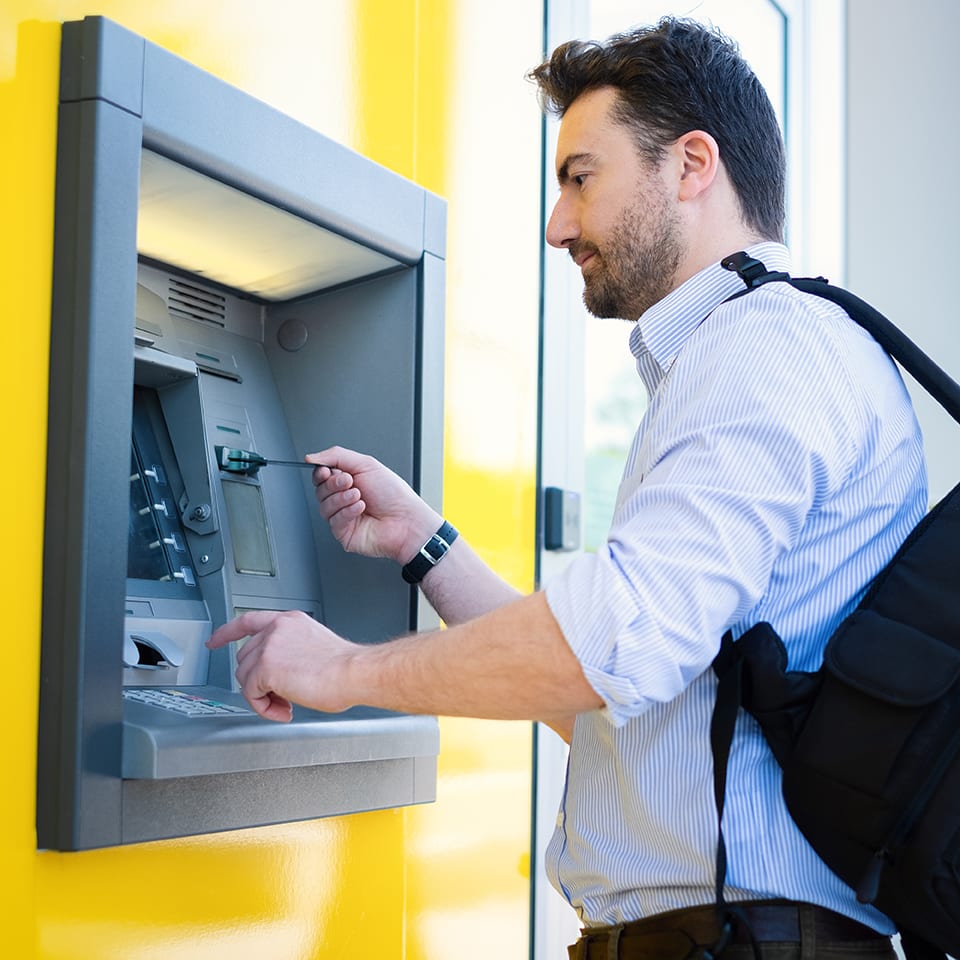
(676, 77)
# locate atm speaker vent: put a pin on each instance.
(195, 303)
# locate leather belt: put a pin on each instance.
(679, 932)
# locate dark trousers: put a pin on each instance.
(772, 930)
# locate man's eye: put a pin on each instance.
(578, 178)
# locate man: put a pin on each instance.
(776, 470)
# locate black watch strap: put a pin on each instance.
(430, 554)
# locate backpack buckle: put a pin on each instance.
(751, 271)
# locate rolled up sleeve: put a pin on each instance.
(719, 490)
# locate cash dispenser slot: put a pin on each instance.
(216, 315)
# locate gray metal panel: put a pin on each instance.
(424, 779)
(430, 399)
(193, 117)
(91, 382)
(160, 744)
(285, 502)
(155, 809)
(434, 225)
(430, 418)
(354, 382)
(102, 60)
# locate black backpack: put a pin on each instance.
(869, 744)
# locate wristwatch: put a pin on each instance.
(430, 554)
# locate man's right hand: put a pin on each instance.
(371, 510)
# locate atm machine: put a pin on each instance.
(231, 290)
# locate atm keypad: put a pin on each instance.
(179, 701)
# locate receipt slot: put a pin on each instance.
(225, 279)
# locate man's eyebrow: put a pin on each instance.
(563, 171)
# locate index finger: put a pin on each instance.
(246, 625)
(324, 468)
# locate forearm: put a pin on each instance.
(462, 587)
(373, 512)
(512, 664)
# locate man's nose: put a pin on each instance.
(562, 227)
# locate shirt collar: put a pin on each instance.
(665, 327)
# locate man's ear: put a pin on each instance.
(698, 156)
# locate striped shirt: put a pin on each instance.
(776, 470)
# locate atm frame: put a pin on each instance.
(120, 95)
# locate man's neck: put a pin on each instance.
(708, 249)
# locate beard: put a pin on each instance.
(636, 265)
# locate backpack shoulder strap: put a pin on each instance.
(728, 664)
(931, 377)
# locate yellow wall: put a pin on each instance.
(433, 89)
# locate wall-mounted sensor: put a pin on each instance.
(561, 519)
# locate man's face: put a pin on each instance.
(614, 214)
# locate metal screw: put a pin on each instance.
(201, 511)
